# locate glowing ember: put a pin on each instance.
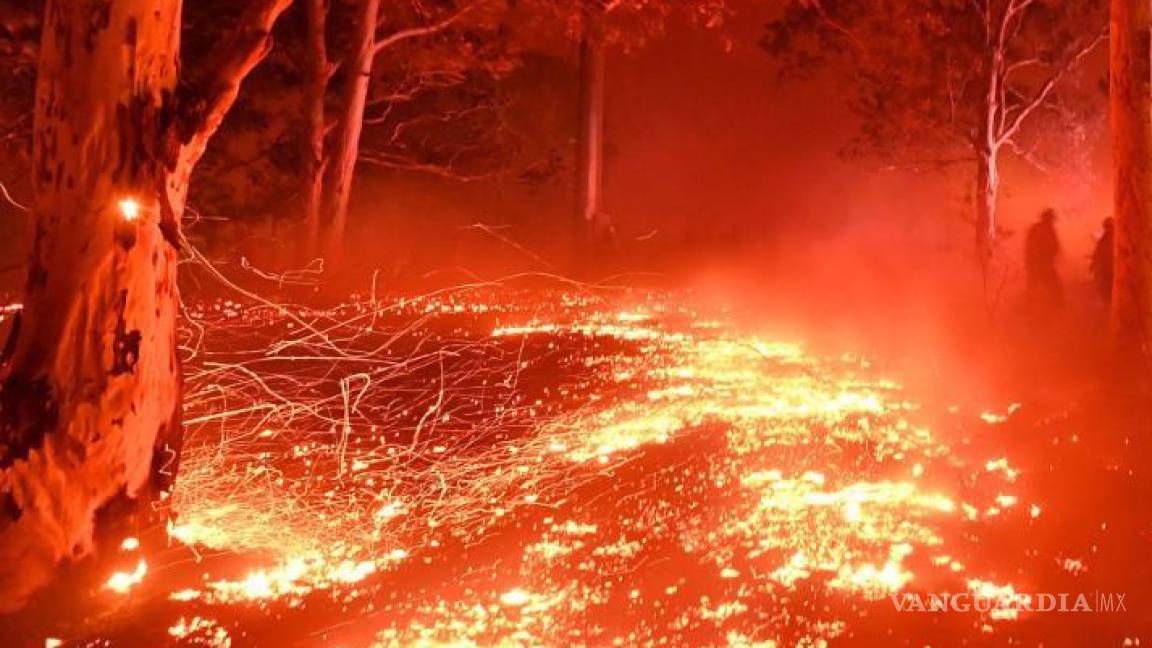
(337, 454)
(515, 598)
(129, 209)
(122, 582)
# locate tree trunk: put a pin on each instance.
(316, 88)
(590, 138)
(1131, 85)
(347, 143)
(89, 410)
(90, 400)
(987, 193)
(987, 145)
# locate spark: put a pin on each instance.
(515, 598)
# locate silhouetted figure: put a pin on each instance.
(1101, 264)
(1041, 251)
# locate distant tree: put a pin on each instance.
(372, 30)
(419, 90)
(1131, 95)
(939, 82)
(594, 228)
(599, 26)
(90, 398)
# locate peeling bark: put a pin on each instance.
(1131, 97)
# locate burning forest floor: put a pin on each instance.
(491, 466)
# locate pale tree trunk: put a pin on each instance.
(588, 222)
(92, 395)
(987, 194)
(316, 88)
(346, 146)
(89, 408)
(1131, 85)
(987, 144)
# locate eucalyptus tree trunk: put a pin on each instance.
(1131, 97)
(90, 403)
(317, 71)
(987, 144)
(987, 196)
(590, 139)
(90, 398)
(346, 149)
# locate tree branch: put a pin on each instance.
(424, 30)
(1028, 156)
(834, 25)
(402, 163)
(204, 104)
(1015, 8)
(1049, 85)
(1016, 65)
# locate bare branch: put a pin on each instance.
(443, 117)
(384, 116)
(982, 10)
(1016, 8)
(1049, 85)
(1028, 156)
(835, 25)
(412, 88)
(1022, 63)
(402, 163)
(424, 30)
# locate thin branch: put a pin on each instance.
(982, 10)
(1018, 10)
(1015, 8)
(424, 30)
(1049, 85)
(835, 25)
(443, 117)
(401, 163)
(382, 117)
(1022, 63)
(1018, 6)
(1028, 156)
